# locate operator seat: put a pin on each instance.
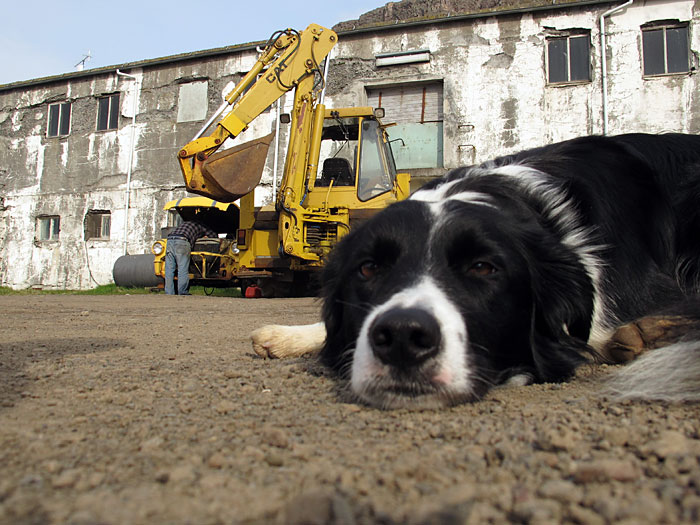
(338, 169)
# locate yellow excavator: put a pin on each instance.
(338, 171)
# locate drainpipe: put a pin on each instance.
(131, 157)
(604, 62)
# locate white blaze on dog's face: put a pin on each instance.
(448, 374)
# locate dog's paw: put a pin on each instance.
(632, 339)
(269, 341)
(278, 341)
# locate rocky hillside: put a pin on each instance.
(408, 10)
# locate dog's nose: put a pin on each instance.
(404, 337)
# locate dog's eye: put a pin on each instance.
(368, 269)
(482, 269)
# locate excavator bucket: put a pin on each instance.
(235, 172)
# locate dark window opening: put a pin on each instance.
(108, 112)
(98, 224)
(665, 50)
(59, 119)
(568, 59)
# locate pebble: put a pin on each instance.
(560, 490)
(275, 436)
(52, 466)
(274, 459)
(645, 508)
(616, 436)
(162, 476)
(584, 516)
(551, 440)
(151, 445)
(668, 443)
(217, 460)
(605, 470)
(255, 454)
(66, 479)
(225, 406)
(94, 480)
(537, 511)
(182, 474)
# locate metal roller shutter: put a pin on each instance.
(418, 111)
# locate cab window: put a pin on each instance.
(376, 165)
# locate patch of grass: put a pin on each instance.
(30, 291)
(113, 289)
(215, 292)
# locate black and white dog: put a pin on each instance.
(521, 268)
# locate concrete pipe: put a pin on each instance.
(135, 271)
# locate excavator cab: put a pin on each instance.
(356, 163)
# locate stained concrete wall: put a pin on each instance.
(496, 101)
(496, 95)
(87, 170)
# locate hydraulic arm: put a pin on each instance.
(338, 168)
(290, 61)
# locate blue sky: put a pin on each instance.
(43, 38)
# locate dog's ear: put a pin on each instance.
(562, 313)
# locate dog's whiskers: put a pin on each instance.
(367, 307)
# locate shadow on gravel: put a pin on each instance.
(17, 372)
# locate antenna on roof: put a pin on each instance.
(81, 65)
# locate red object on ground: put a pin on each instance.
(253, 292)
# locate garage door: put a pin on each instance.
(417, 111)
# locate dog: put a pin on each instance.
(519, 270)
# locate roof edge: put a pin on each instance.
(132, 65)
(253, 45)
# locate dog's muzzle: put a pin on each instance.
(404, 337)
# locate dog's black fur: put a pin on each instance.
(537, 256)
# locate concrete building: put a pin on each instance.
(88, 158)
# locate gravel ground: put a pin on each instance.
(152, 409)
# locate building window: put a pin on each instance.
(108, 112)
(568, 59)
(59, 120)
(48, 227)
(98, 224)
(665, 50)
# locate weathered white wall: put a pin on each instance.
(495, 91)
(496, 101)
(653, 104)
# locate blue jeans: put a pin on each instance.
(177, 255)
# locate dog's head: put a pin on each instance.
(439, 297)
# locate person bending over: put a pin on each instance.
(177, 254)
